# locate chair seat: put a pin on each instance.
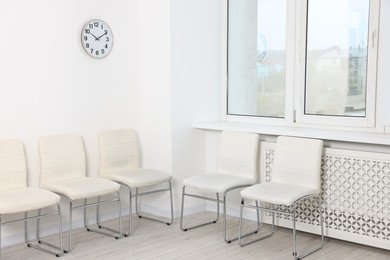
(140, 177)
(216, 182)
(83, 188)
(276, 193)
(26, 199)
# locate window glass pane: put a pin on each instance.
(256, 57)
(336, 58)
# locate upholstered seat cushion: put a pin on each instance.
(83, 187)
(26, 199)
(276, 193)
(216, 182)
(140, 177)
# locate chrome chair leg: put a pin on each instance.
(259, 225)
(130, 213)
(84, 207)
(85, 215)
(38, 239)
(136, 203)
(60, 229)
(293, 214)
(138, 212)
(182, 209)
(25, 227)
(38, 226)
(1, 224)
(295, 254)
(151, 192)
(319, 205)
(200, 197)
(170, 194)
(98, 212)
(101, 226)
(224, 219)
(118, 233)
(70, 227)
(120, 214)
(217, 200)
(321, 220)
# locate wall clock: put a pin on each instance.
(96, 38)
(262, 47)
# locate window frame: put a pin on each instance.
(296, 76)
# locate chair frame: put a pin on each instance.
(40, 242)
(134, 192)
(100, 226)
(218, 201)
(138, 213)
(235, 149)
(85, 204)
(293, 214)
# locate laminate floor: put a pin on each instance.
(152, 240)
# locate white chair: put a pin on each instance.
(236, 168)
(63, 171)
(120, 162)
(296, 177)
(16, 197)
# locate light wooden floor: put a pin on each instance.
(152, 240)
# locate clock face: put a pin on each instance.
(262, 47)
(96, 38)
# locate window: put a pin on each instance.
(257, 57)
(303, 61)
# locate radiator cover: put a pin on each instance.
(356, 196)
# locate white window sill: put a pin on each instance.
(331, 135)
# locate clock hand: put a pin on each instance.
(101, 36)
(96, 38)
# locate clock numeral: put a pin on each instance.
(97, 53)
(107, 39)
(87, 45)
(91, 50)
(102, 51)
(90, 26)
(106, 46)
(87, 31)
(101, 26)
(96, 24)
(85, 38)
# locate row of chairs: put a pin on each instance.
(295, 178)
(63, 176)
(295, 181)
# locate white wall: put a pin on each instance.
(155, 82)
(48, 85)
(155, 93)
(383, 84)
(180, 82)
(164, 73)
(196, 84)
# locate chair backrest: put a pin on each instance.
(238, 154)
(62, 157)
(13, 171)
(119, 151)
(297, 161)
